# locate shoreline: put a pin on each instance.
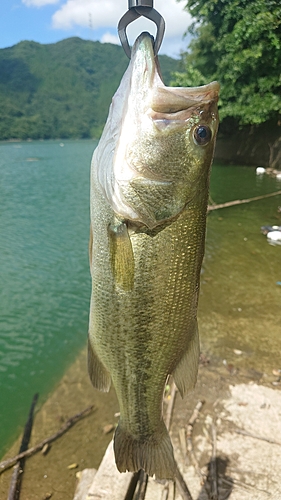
(84, 444)
(72, 394)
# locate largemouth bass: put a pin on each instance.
(149, 193)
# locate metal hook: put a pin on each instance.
(138, 8)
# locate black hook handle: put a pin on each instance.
(138, 8)
(140, 3)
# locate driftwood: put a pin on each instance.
(6, 464)
(15, 484)
(240, 202)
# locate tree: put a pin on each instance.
(238, 43)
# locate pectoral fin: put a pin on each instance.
(99, 376)
(122, 256)
(185, 374)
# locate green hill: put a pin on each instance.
(61, 90)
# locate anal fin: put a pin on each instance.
(99, 376)
(185, 373)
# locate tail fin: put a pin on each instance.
(153, 454)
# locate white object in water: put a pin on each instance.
(260, 170)
(274, 237)
(278, 176)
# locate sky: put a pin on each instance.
(49, 21)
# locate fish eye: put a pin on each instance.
(202, 135)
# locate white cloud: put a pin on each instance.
(177, 19)
(109, 38)
(38, 3)
(108, 13)
(98, 14)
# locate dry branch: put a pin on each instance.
(15, 486)
(241, 484)
(193, 418)
(6, 464)
(268, 440)
(240, 202)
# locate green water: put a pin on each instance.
(240, 300)
(45, 282)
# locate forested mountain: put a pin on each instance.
(61, 90)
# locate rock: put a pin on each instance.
(85, 478)
(108, 428)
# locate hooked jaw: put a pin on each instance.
(144, 76)
(148, 87)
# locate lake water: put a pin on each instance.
(45, 281)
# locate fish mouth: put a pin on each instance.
(163, 100)
(144, 43)
(145, 66)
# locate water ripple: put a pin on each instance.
(45, 282)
